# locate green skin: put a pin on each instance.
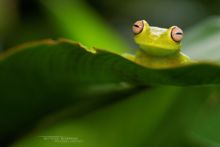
(158, 49)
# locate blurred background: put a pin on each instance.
(27, 20)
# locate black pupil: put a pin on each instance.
(179, 33)
(136, 25)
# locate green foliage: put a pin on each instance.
(79, 22)
(93, 97)
(41, 73)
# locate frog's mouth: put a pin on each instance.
(158, 51)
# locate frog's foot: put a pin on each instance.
(185, 59)
(129, 56)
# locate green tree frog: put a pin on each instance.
(158, 47)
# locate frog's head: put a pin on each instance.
(157, 41)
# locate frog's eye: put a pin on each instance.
(138, 27)
(177, 34)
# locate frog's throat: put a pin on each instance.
(158, 51)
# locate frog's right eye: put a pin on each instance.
(177, 34)
(138, 27)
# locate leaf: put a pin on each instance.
(81, 23)
(35, 76)
(152, 118)
(92, 129)
(206, 127)
(40, 78)
(73, 63)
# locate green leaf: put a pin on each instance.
(41, 78)
(34, 77)
(92, 129)
(35, 83)
(206, 127)
(152, 118)
(71, 62)
(81, 23)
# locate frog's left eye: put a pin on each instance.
(177, 34)
(138, 27)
